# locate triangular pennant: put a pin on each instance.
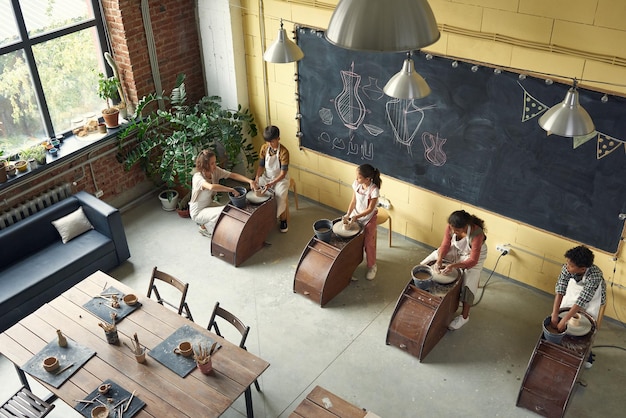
(531, 107)
(579, 140)
(606, 145)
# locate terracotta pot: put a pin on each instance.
(183, 213)
(206, 367)
(111, 117)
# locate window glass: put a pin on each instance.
(8, 28)
(20, 118)
(41, 16)
(68, 68)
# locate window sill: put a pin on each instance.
(72, 147)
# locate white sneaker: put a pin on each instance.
(204, 232)
(371, 272)
(458, 322)
(354, 278)
(588, 365)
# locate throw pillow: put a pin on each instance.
(72, 225)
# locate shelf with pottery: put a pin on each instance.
(328, 262)
(424, 310)
(554, 367)
(240, 232)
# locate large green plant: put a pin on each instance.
(167, 141)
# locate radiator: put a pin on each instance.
(29, 207)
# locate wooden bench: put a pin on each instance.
(321, 403)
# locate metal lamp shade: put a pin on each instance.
(283, 50)
(407, 84)
(568, 118)
(383, 25)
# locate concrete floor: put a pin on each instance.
(473, 372)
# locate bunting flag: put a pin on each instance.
(606, 145)
(531, 107)
(579, 140)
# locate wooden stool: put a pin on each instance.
(292, 186)
(382, 217)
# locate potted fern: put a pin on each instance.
(165, 142)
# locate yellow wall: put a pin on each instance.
(532, 35)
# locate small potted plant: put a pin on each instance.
(183, 206)
(108, 91)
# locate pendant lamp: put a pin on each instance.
(283, 50)
(407, 84)
(567, 118)
(382, 25)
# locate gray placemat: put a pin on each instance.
(73, 353)
(112, 398)
(164, 352)
(102, 308)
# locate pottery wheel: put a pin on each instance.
(253, 198)
(581, 329)
(340, 231)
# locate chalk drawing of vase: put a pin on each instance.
(348, 103)
(405, 119)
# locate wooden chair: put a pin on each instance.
(292, 186)
(219, 312)
(181, 307)
(382, 217)
(25, 405)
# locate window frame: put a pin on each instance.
(27, 43)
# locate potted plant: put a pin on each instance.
(35, 155)
(183, 206)
(166, 142)
(108, 91)
(169, 199)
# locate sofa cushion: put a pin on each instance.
(72, 225)
(43, 270)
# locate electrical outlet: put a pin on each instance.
(384, 202)
(503, 249)
(99, 193)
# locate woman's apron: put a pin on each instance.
(573, 291)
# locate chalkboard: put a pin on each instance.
(475, 138)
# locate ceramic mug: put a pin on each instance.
(184, 348)
(104, 388)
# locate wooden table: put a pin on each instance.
(240, 233)
(325, 269)
(164, 392)
(421, 317)
(553, 371)
(321, 403)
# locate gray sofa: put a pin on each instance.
(36, 266)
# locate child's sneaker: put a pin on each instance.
(204, 232)
(283, 226)
(458, 322)
(371, 272)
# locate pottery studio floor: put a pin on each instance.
(473, 372)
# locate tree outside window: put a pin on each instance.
(51, 52)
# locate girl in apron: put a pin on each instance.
(272, 171)
(362, 209)
(463, 247)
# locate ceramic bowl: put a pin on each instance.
(130, 299)
(51, 363)
(100, 411)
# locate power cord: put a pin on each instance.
(489, 278)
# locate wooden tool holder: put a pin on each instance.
(240, 233)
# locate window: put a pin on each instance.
(51, 52)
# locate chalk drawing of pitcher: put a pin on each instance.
(405, 119)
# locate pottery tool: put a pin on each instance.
(106, 326)
(65, 368)
(132, 395)
(87, 402)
